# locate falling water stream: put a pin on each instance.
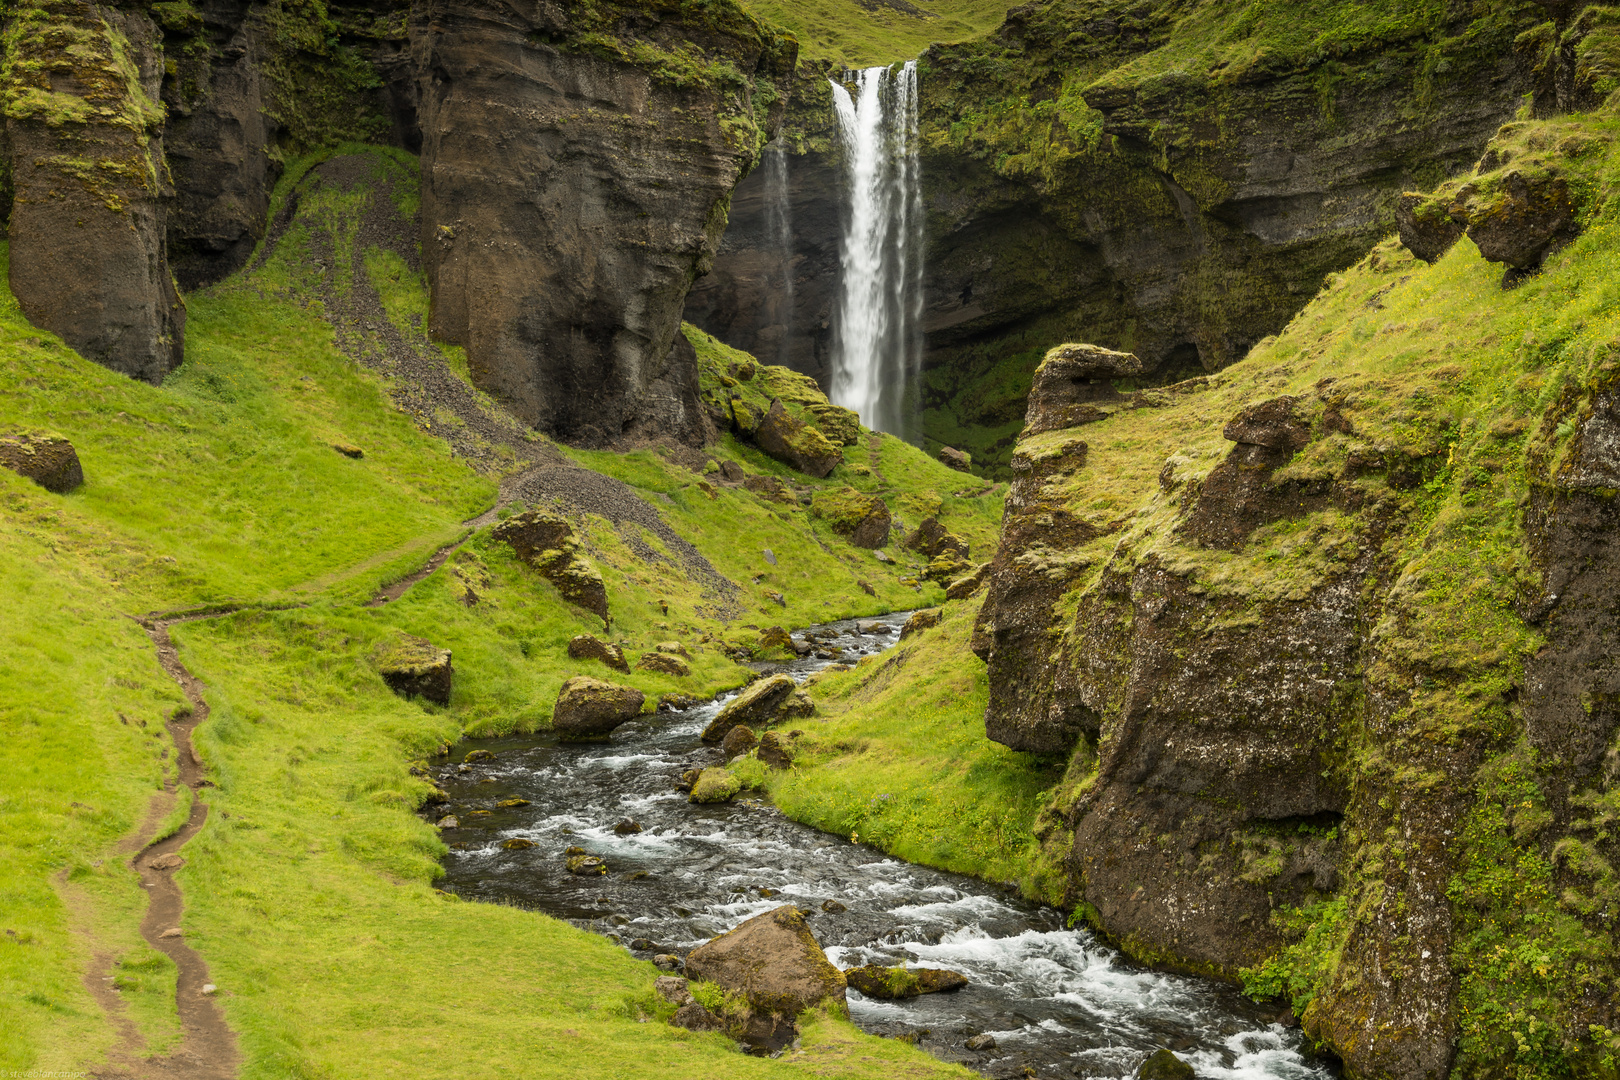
(779, 225)
(1057, 1000)
(878, 346)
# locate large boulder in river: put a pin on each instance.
(577, 161)
(589, 708)
(755, 706)
(896, 983)
(48, 460)
(772, 960)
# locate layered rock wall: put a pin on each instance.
(571, 196)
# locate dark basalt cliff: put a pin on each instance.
(570, 197)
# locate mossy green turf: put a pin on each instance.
(311, 900)
(858, 34)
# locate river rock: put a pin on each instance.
(586, 865)
(589, 708)
(517, 843)
(415, 668)
(754, 706)
(1163, 1065)
(627, 827)
(1071, 385)
(896, 983)
(738, 741)
(48, 460)
(714, 785)
(449, 822)
(475, 756)
(667, 962)
(959, 460)
(980, 1043)
(545, 541)
(774, 752)
(774, 637)
(663, 663)
(873, 627)
(590, 647)
(772, 960)
(675, 702)
(919, 621)
(89, 219)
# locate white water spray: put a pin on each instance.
(878, 347)
(779, 223)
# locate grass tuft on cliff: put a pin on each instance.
(856, 34)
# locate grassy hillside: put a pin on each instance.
(309, 892)
(857, 34)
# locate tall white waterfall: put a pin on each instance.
(878, 345)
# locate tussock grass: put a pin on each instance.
(858, 35)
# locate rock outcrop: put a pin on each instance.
(589, 708)
(864, 520)
(48, 460)
(590, 647)
(545, 541)
(573, 189)
(773, 961)
(84, 124)
(413, 667)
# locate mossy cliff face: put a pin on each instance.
(85, 133)
(1327, 639)
(577, 165)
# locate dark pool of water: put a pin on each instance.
(1056, 999)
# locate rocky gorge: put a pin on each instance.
(1277, 594)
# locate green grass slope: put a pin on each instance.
(857, 34)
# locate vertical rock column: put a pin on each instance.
(80, 86)
(577, 165)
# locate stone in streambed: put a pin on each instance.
(979, 1043)
(898, 983)
(586, 865)
(589, 708)
(1163, 1065)
(714, 786)
(772, 960)
(48, 460)
(415, 668)
(627, 827)
(590, 647)
(754, 706)
(738, 741)
(517, 843)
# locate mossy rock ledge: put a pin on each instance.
(48, 460)
(413, 667)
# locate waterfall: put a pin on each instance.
(779, 225)
(877, 350)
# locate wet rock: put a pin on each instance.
(738, 741)
(449, 821)
(772, 960)
(968, 584)
(589, 708)
(1427, 228)
(48, 460)
(415, 668)
(833, 907)
(980, 1043)
(545, 541)
(663, 664)
(586, 865)
(671, 989)
(590, 647)
(677, 702)
(667, 962)
(627, 827)
(1074, 385)
(959, 460)
(754, 706)
(518, 843)
(774, 752)
(1163, 1065)
(688, 779)
(919, 621)
(793, 442)
(714, 785)
(642, 944)
(575, 850)
(872, 626)
(511, 804)
(88, 228)
(898, 983)
(930, 539)
(694, 1017)
(474, 756)
(774, 637)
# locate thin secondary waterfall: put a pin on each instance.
(878, 345)
(779, 222)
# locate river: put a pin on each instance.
(1057, 1000)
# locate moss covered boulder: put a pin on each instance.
(861, 518)
(755, 706)
(663, 663)
(413, 667)
(793, 442)
(919, 621)
(774, 751)
(738, 741)
(715, 785)
(1427, 228)
(590, 647)
(48, 460)
(772, 960)
(930, 538)
(1163, 1065)
(545, 541)
(898, 983)
(589, 708)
